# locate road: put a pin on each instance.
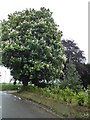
(15, 107)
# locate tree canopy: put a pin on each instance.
(72, 78)
(73, 52)
(75, 55)
(31, 44)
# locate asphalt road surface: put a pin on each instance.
(15, 107)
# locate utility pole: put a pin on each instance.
(0, 76)
(5, 76)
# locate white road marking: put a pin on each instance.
(0, 107)
(14, 96)
(19, 98)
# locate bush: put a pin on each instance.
(67, 95)
(81, 96)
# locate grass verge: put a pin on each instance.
(8, 86)
(50, 100)
(60, 108)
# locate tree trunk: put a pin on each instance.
(25, 83)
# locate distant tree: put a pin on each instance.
(88, 67)
(72, 78)
(0, 45)
(84, 73)
(31, 44)
(87, 75)
(73, 52)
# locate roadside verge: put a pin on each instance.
(57, 107)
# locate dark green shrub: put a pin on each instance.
(71, 78)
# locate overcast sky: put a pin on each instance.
(70, 15)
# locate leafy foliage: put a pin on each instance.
(74, 54)
(84, 73)
(31, 46)
(88, 67)
(81, 98)
(71, 78)
(67, 95)
(0, 45)
(72, 51)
